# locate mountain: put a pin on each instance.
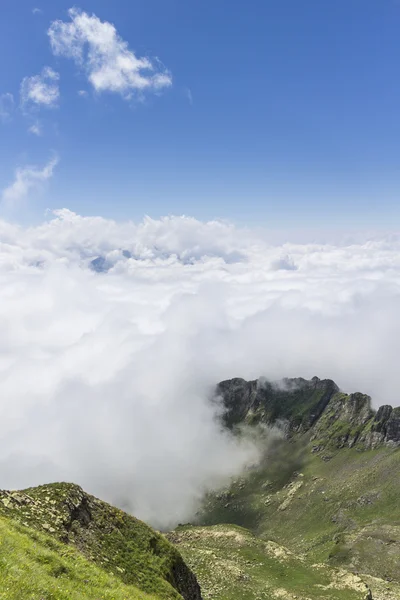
(325, 493)
(317, 519)
(57, 542)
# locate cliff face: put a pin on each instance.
(298, 402)
(316, 406)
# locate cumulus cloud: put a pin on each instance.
(105, 376)
(26, 180)
(6, 107)
(40, 90)
(97, 48)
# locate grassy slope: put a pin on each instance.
(115, 542)
(231, 563)
(342, 509)
(33, 566)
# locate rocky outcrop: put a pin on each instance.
(297, 402)
(344, 420)
(332, 417)
(384, 428)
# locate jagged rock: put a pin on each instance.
(335, 419)
(383, 429)
(344, 419)
(393, 427)
(297, 402)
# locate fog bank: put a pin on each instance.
(113, 335)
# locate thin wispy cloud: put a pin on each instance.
(189, 95)
(27, 179)
(82, 93)
(37, 11)
(7, 106)
(97, 48)
(40, 90)
(36, 129)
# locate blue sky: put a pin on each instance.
(275, 112)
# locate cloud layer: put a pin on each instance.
(105, 375)
(96, 47)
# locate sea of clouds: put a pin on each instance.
(112, 336)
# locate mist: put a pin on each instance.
(107, 368)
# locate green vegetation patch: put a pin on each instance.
(231, 563)
(33, 566)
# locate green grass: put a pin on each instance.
(33, 566)
(116, 542)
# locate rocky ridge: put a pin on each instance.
(317, 407)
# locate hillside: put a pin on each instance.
(234, 564)
(35, 566)
(326, 490)
(56, 538)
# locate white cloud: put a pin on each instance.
(110, 65)
(6, 107)
(82, 93)
(37, 11)
(36, 129)
(104, 377)
(26, 180)
(41, 90)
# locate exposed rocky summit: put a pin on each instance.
(316, 406)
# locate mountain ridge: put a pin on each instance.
(316, 406)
